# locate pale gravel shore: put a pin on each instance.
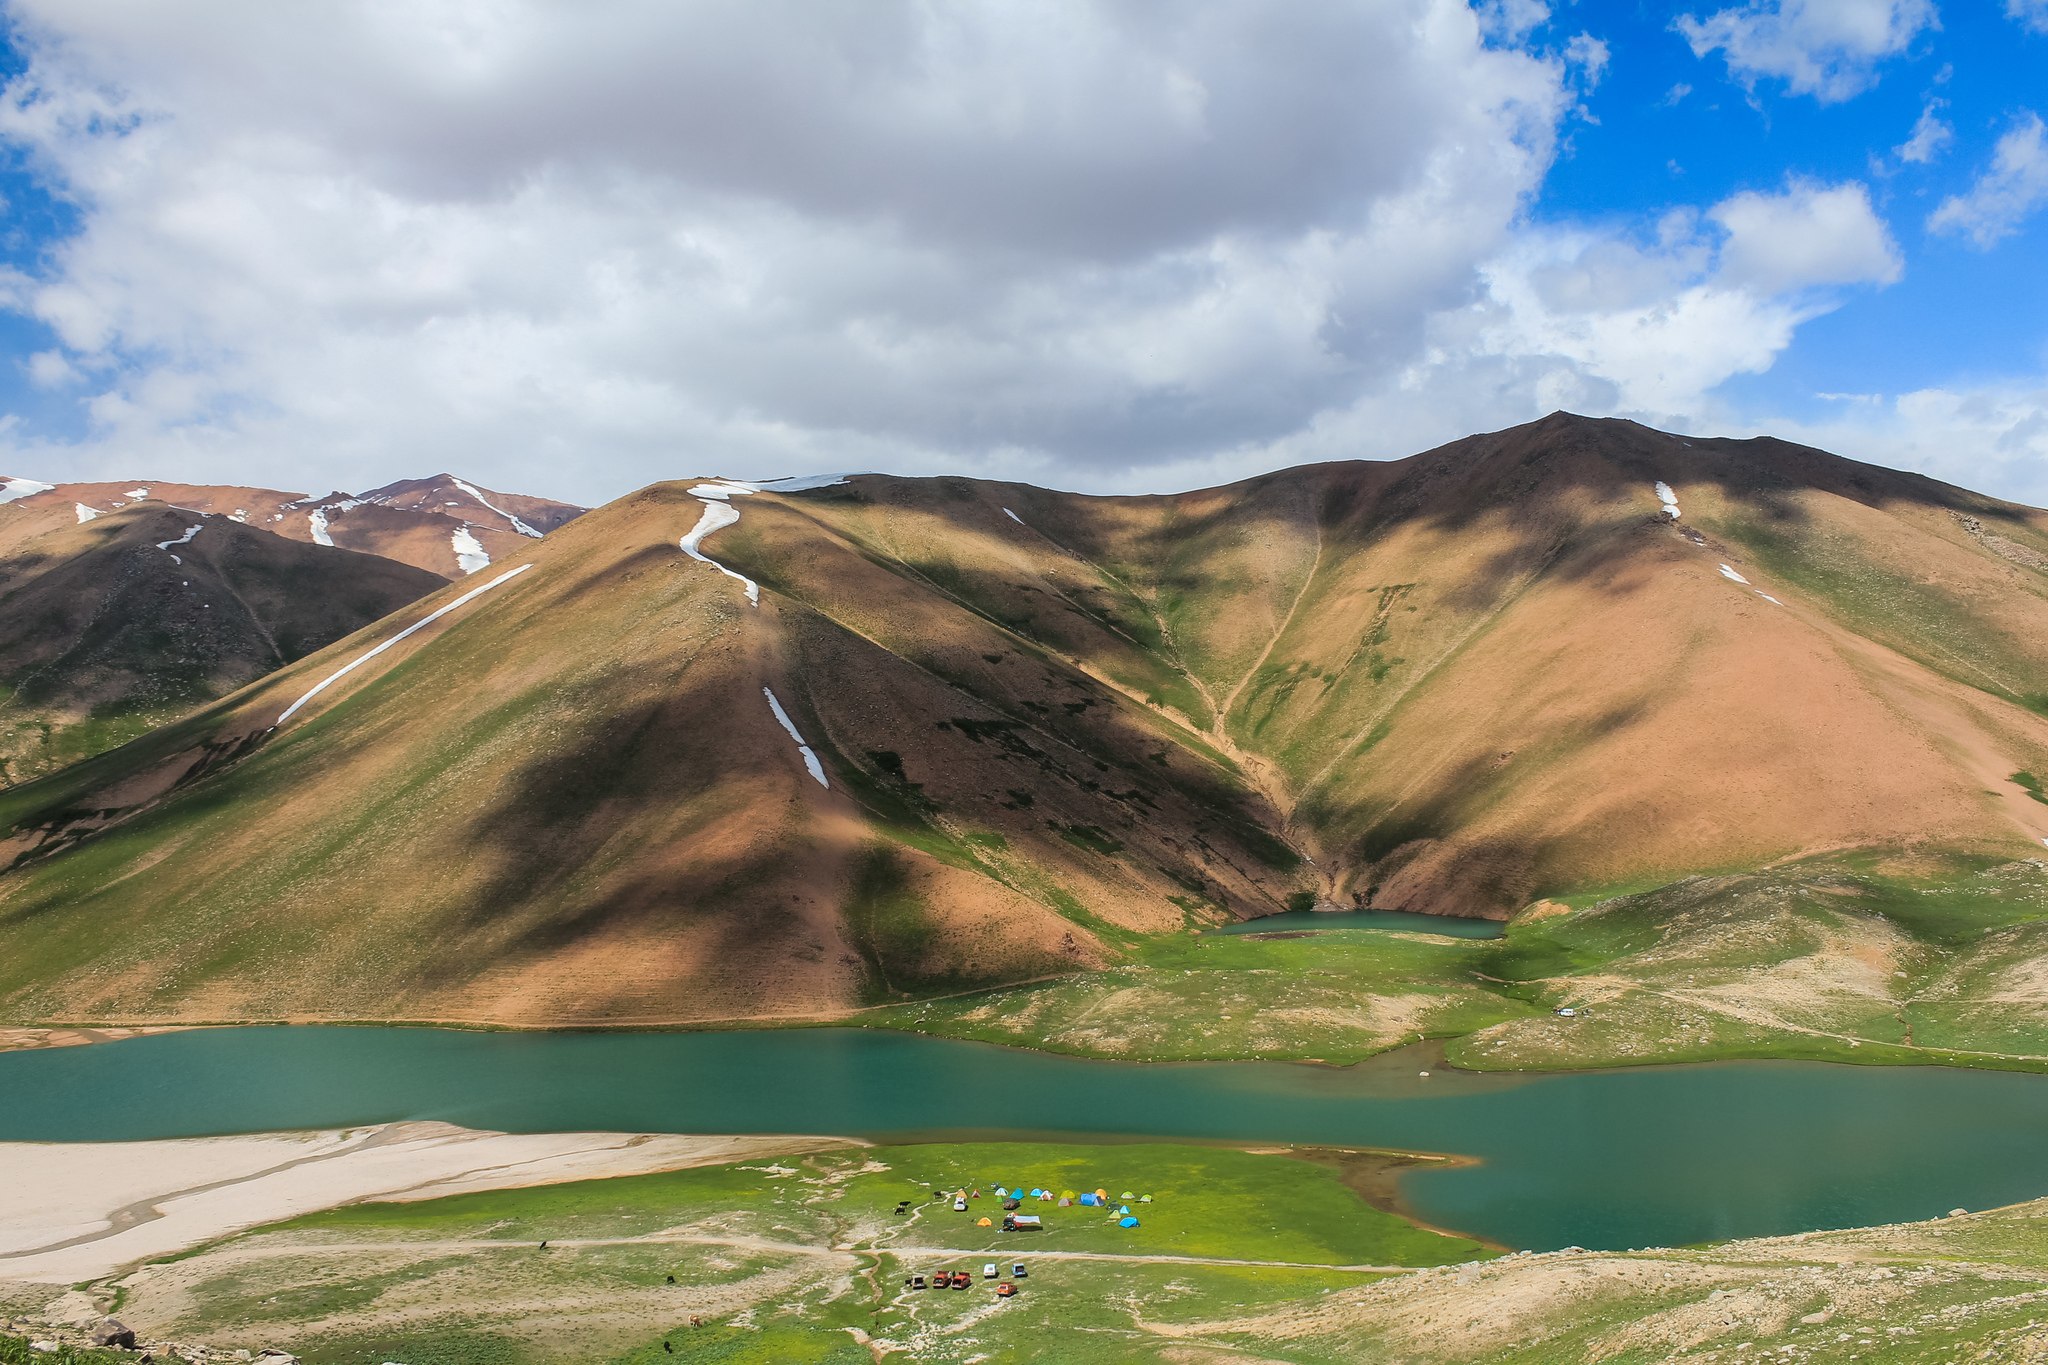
(79, 1211)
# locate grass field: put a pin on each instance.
(804, 1258)
(1861, 959)
(786, 1259)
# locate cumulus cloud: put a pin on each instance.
(1990, 435)
(2032, 13)
(755, 234)
(1829, 49)
(1930, 137)
(1081, 243)
(2012, 188)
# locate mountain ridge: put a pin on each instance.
(1049, 725)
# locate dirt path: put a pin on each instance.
(765, 1246)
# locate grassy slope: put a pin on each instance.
(462, 1281)
(1839, 959)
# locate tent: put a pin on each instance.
(1102, 1194)
(1002, 1193)
(1125, 1210)
(1066, 1203)
(1066, 1194)
(1144, 1199)
(983, 1223)
(1127, 1222)
(1127, 1196)
(1090, 1201)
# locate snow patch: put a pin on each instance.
(10, 489)
(1668, 498)
(810, 758)
(353, 664)
(1013, 516)
(1768, 598)
(185, 539)
(470, 554)
(142, 492)
(317, 520)
(1732, 576)
(800, 482)
(521, 527)
(718, 512)
(240, 514)
(85, 513)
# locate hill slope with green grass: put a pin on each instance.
(721, 752)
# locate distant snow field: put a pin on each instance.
(1668, 498)
(353, 664)
(10, 489)
(470, 554)
(810, 758)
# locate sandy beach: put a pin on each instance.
(79, 1211)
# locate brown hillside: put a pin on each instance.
(1453, 682)
(111, 627)
(444, 525)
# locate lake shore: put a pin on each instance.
(78, 1211)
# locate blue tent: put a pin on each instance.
(1127, 1222)
(1091, 1201)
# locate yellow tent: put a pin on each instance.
(983, 1223)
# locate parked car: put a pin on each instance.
(1018, 1272)
(988, 1270)
(961, 1279)
(1006, 1291)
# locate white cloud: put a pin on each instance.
(1589, 57)
(2014, 186)
(755, 235)
(1810, 235)
(1991, 435)
(1511, 21)
(1931, 135)
(1829, 49)
(2032, 13)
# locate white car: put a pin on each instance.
(988, 1270)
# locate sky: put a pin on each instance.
(1114, 247)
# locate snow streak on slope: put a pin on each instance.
(1668, 498)
(521, 527)
(1013, 516)
(317, 520)
(186, 539)
(470, 554)
(1732, 576)
(85, 513)
(10, 489)
(141, 492)
(353, 664)
(810, 758)
(718, 511)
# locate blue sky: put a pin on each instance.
(1667, 127)
(569, 250)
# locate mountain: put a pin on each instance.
(444, 525)
(720, 751)
(113, 625)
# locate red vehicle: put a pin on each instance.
(1006, 1290)
(962, 1280)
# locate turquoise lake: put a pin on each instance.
(1652, 1156)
